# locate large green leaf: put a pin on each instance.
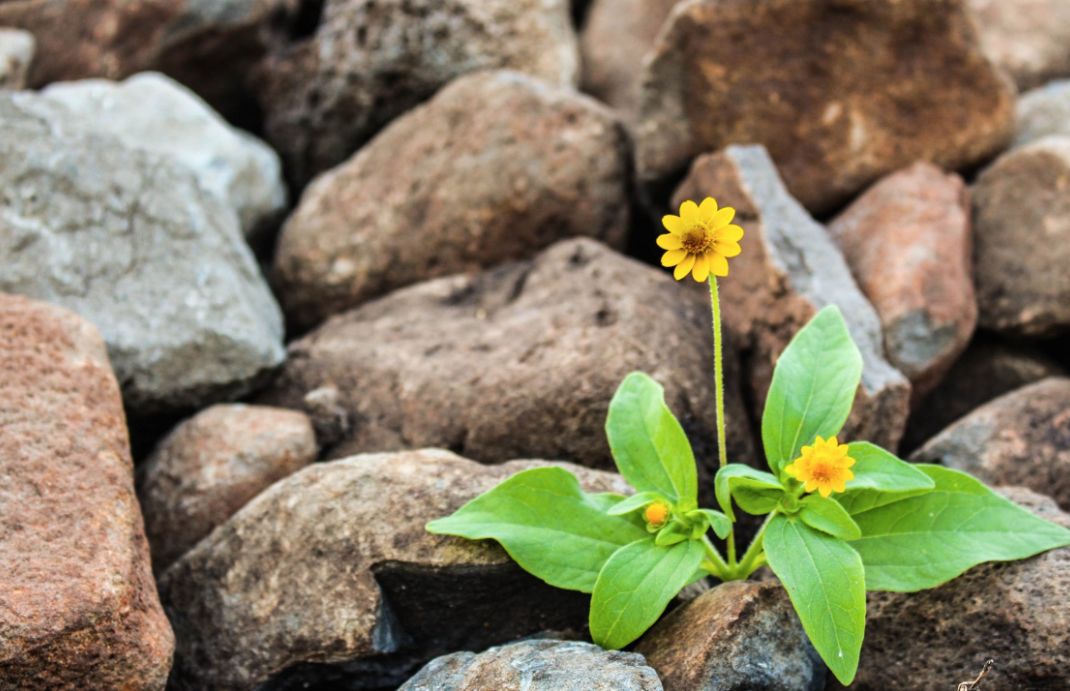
(828, 516)
(648, 443)
(636, 585)
(547, 524)
(928, 539)
(824, 579)
(756, 491)
(813, 387)
(880, 478)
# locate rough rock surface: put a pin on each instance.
(496, 166)
(130, 241)
(332, 567)
(518, 362)
(789, 269)
(1020, 438)
(908, 243)
(213, 464)
(1043, 111)
(1021, 220)
(78, 606)
(1030, 39)
(1015, 612)
(738, 636)
(540, 665)
(153, 112)
(838, 92)
(325, 95)
(16, 54)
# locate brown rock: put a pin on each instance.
(840, 92)
(521, 361)
(16, 53)
(213, 464)
(739, 636)
(496, 167)
(1030, 39)
(1014, 612)
(1020, 438)
(370, 60)
(78, 606)
(333, 565)
(1021, 220)
(907, 241)
(789, 269)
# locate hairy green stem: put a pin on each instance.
(714, 563)
(718, 380)
(754, 557)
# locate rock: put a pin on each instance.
(213, 464)
(1020, 438)
(324, 95)
(986, 370)
(544, 665)
(16, 54)
(615, 38)
(520, 361)
(741, 635)
(840, 93)
(1043, 111)
(78, 606)
(907, 241)
(1030, 39)
(1014, 612)
(1021, 220)
(331, 570)
(130, 241)
(790, 269)
(496, 167)
(152, 112)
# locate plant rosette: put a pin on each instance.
(840, 519)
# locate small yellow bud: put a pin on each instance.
(656, 514)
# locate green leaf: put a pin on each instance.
(880, 478)
(716, 520)
(634, 503)
(922, 541)
(756, 491)
(547, 524)
(648, 443)
(671, 534)
(813, 387)
(824, 579)
(636, 585)
(829, 517)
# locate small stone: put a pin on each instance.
(1043, 111)
(541, 665)
(213, 464)
(739, 636)
(332, 568)
(496, 166)
(907, 241)
(1020, 438)
(840, 93)
(790, 269)
(1030, 39)
(368, 61)
(1021, 220)
(16, 54)
(78, 606)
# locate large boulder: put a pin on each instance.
(78, 606)
(16, 54)
(330, 575)
(840, 92)
(790, 269)
(1030, 39)
(131, 241)
(367, 61)
(1042, 111)
(495, 167)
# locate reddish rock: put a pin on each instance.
(840, 92)
(213, 464)
(78, 606)
(496, 167)
(1020, 438)
(907, 241)
(1021, 220)
(1030, 39)
(790, 269)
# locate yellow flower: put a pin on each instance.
(700, 240)
(823, 466)
(656, 514)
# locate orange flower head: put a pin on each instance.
(824, 467)
(656, 514)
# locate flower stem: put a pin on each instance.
(714, 563)
(718, 372)
(754, 557)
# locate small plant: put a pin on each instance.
(840, 519)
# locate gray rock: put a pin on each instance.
(16, 54)
(1029, 39)
(153, 112)
(130, 241)
(544, 665)
(1043, 111)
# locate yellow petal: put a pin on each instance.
(723, 217)
(689, 213)
(833, 442)
(791, 470)
(810, 485)
(707, 209)
(825, 490)
(668, 241)
(839, 485)
(672, 257)
(702, 269)
(684, 267)
(727, 249)
(732, 233)
(718, 265)
(673, 224)
(848, 475)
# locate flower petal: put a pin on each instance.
(707, 209)
(673, 257)
(730, 233)
(824, 490)
(792, 470)
(702, 269)
(668, 241)
(689, 213)
(684, 267)
(727, 249)
(723, 217)
(718, 265)
(673, 224)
